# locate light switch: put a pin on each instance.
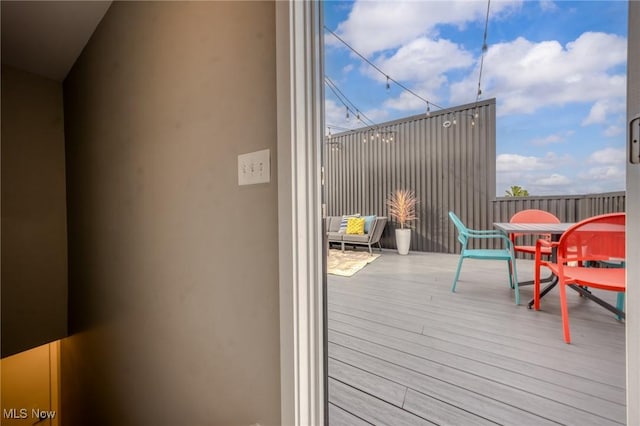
(254, 167)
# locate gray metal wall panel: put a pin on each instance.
(448, 168)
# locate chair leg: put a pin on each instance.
(565, 311)
(342, 246)
(536, 287)
(455, 279)
(511, 284)
(510, 274)
(620, 304)
(370, 251)
(514, 279)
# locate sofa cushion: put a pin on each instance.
(333, 223)
(355, 226)
(343, 222)
(368, 221)
(356, 238)
(334, 236)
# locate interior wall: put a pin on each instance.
(30, 387)
(34, 241)
(173, 266)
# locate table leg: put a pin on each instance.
(547, 289)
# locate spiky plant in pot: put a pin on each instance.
(402, 209)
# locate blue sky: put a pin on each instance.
(556, 68)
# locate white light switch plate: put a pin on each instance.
(254, 167)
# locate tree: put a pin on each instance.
(517, 191)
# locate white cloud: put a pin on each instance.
(608, 156)
(347, 69)
(521, 163)
(602, 109)
(526, 76)
(375, 26)
(535, 174)
(615, 173)
(554, 180)
(608, 173)
(552, 139)
(548, 6)
(613, 131)
(423, 58)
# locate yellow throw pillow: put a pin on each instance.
(355, 225)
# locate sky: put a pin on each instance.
(556, 68)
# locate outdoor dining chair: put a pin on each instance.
(593, 241)
(532, 216)
(465, 235)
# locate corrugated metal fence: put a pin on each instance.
(568, 208)
(449, 167)
(446, 158)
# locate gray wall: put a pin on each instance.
(567, 208)
(34, 228)
(173, 267)
(449, 168)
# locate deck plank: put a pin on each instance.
(370, 408)
(340, 417)
(467, 357)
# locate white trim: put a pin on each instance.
(632, 299)
(299, 110)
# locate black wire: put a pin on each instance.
(382, 72)
(484, 50)
(334, 88)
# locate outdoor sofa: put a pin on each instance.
(370, 237)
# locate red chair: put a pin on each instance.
(589, 242)
(532, 216)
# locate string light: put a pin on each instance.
(389, 78)
(344, 100)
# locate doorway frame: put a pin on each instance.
(300, 248)
(299, 128)
(632, 298)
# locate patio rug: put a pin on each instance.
(348, 262)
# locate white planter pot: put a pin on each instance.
(403, 240)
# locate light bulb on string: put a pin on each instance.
(388, 85)
(428, 109)
(347, 116)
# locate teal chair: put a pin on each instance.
(465, 234)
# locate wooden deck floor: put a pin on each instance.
(404, 350)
